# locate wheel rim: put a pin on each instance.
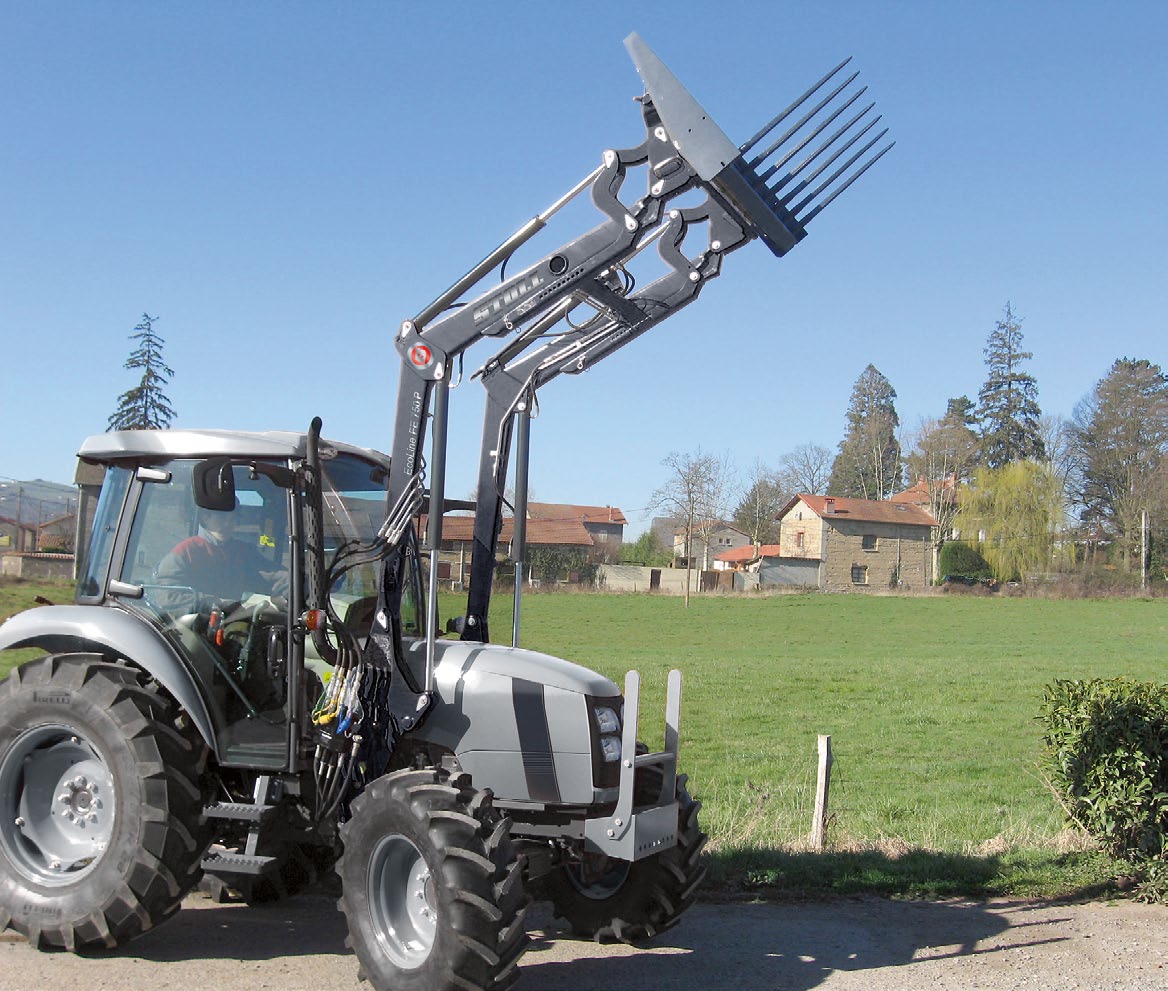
(402, 901)
(598, 877)
(56, 805)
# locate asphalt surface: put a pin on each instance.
(875, 945)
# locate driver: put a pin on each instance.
(216, 564)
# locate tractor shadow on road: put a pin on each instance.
(307, 925)
(786, 947)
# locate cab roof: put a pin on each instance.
(155, 445)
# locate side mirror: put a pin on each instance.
(456, 624)
(214, 485)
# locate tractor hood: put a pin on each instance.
(459, 660)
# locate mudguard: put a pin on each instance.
(113, 633)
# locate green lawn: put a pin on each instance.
(930, 703)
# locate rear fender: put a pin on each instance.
(113, 634)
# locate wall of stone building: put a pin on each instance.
(902, 557)
(801, 520)
(48, 567)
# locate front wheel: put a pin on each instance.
(631, 902)
(100, 808)
(432, 888)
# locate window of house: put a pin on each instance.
(868, 542)
(859, 574)
(800, 539)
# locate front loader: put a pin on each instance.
(253, 680)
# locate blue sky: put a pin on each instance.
(282, 183)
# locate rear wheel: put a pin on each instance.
(100, 833)
(432, 888)
(603, 898)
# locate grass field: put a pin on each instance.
(930, 703)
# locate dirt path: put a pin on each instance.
(871, 945)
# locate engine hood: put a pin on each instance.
(456, 659)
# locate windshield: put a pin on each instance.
(353, 495)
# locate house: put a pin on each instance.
(708, 538)
(595, 531)
(604, 524)
(58, 535)
(16, 535)
(745, 558)
(843, 545)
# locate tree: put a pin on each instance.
(1015, 511)
(146, 406)
(760, 504)
(943, 455)
(1120, 434)
(805, 469)
(647, 551)
(1008, 402)
(694, 496)
(868, 464)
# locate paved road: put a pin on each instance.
(870, 945)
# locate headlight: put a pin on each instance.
(607, 719)
(610, 746)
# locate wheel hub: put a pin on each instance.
(58, 804)
(403, 901)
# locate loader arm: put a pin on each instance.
(770, 195)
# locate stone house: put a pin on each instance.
(604, 524)
(852, 545)
(597, 531)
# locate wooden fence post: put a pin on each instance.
(823, 779)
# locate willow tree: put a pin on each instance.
(1016, 513)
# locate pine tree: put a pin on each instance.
(868, 465)
(146, 406)
(1008, 402)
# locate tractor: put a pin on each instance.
(253, 688)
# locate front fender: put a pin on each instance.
(113, 633)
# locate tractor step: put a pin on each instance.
(239, 811)
(225, 863)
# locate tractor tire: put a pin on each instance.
(632, 902)
(432, 887)
(100, 806)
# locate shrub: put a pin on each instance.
(1106, 756)
(964, 561)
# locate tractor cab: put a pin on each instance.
(201, 536)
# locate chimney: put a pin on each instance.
(829, 506)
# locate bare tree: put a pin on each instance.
(694, 496)
(760, 504)
(805, 469)
(1120, 432)
(942, 455)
